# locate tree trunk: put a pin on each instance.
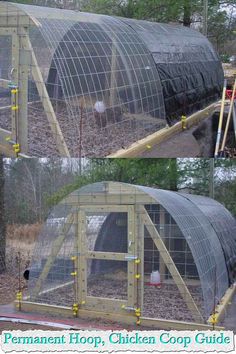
(2, 220)
(187, 13)
(173, 166)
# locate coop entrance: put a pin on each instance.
(106, 279)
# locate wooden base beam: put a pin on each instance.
(164, 134)
(7, 151)
(129, 319)
(222, 306)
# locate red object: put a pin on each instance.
(229, 94)
(154, 284)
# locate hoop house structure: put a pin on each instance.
(134, 254)
(81, 84)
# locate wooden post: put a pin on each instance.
(15, 80)
(132, 249)
(82, 261)
(113, 75)
(140, 252)
(23, 73)
(162, 266)
(219, 132)
(228, 118)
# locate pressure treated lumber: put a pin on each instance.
(222, 306)
(164, 134)
(126, 318)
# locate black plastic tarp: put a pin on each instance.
(181, 61)
(189, 68)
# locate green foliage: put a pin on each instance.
(150, 172)
(221, 23)
(34, 186)
(221, 13)
(225, 58)
(190, 175)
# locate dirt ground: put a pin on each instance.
(198, 141)
(97, 136)
(9, 326)
(161, 302)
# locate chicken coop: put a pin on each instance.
(135, 255)
(85, 85)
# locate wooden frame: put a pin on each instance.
(221, 307)
(16, 24)
(115, 317)
(55, 250)
(138, 219)
(141, 146)
(89, 302)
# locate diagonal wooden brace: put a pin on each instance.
(47, 105)
(171, 266)
(56, 247)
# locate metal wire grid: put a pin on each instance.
(202, 241)
(60, 271)
(185, 229)
(190, 70)
(164, 300)
(92, 69)
(224, 225)
(175, 243)
(86, 60)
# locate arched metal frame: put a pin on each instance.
(97, 83)
(102, 200)
(190, 70)
(224, 225)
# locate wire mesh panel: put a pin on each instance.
(190, 70)
(162, 296)
(107, 248)
(93, 85)
(224, 225)
(50, 273)
(117, 247)
(203, 242)
(109, 281)
(107, 278)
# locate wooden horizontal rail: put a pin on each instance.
(222, 306)
(6, 147)
(164, 134)
(106, 256)
(126, 318)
